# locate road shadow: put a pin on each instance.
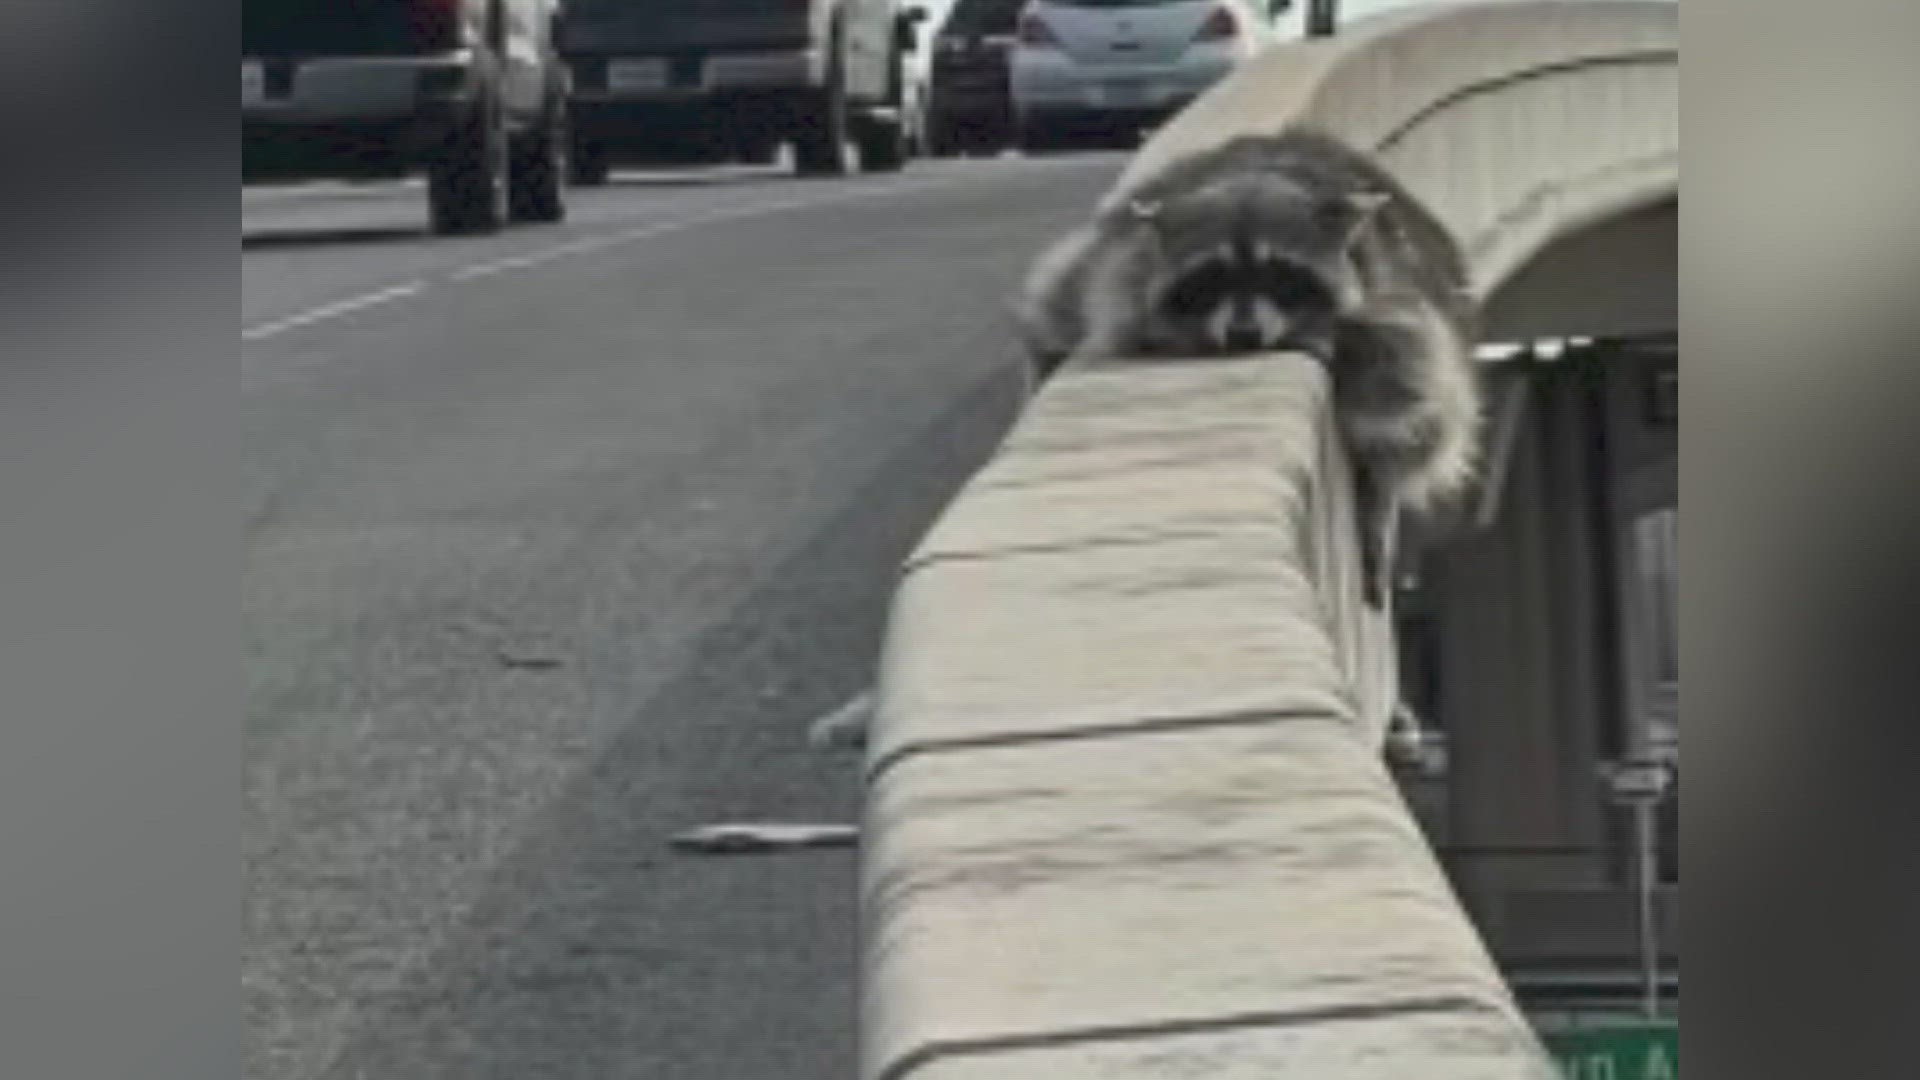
(595, 950)
(269, 239)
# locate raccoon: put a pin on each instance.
(1291, 241)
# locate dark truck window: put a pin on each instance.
(348, 27)
(651, 10)
(974, 18)
(593, 26)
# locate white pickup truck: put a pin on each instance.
(469, 91)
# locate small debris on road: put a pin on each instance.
(751, 837)
(526, 663)
(845, 728)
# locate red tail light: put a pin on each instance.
(1220, 26)
(1036, 34)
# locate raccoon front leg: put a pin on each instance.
(1050, 308)
(1377, 409)
(1378, 519)
(1409, 402)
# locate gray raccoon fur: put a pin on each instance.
(1287, 241)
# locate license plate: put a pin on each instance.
(637, 74)
(253, 82)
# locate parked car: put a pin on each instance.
(469, 91)
(1107, 68)
(719, 79)
(969, 107)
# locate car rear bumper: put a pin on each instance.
(352, 116)
(970, 102)
(607, 80)
(672, 123)
(1068, 121)
(1051, 83)
(698, 102)
(285, 92)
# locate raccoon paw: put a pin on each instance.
(846, 727)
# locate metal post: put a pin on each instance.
(1646, 838)
(1323, 17)
(1640, 783)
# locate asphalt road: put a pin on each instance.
(556, 541)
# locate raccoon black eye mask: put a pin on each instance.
(1242, 302)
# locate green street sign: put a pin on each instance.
(1639, 1052)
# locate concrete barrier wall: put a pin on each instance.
(1126, 812)
(1124, 819)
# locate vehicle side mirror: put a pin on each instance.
(908, 29)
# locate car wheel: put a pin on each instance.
(1121, 137)
(1035, 137)
(882, 145)
(881, 137)
(587, 166)
(913, 129)
(757, 152)
(538, 173)
(467, 182)
(988, 138)
(939, 136)
(820, 143)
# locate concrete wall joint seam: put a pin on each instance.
(925, 1054)
(1148, 725)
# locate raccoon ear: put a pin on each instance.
(1367, 203)
(1146, 210)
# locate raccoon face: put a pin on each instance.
(1244, 296)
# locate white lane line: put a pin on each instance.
(576, 247)
(646, 232)
(333, 310)
(534, 258)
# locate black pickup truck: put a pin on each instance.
(734, 79)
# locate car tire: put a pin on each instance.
(588, 166)
(881, 136)
(820, 138)
(467, 181)
(882, 145)
(538, 170)
(1121, 136)
(757, 152)
(940, 136)
(913, 131)
(1036, 137)
(988, 137)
